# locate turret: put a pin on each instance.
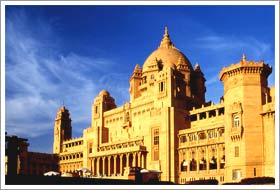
(135, 82)
(198, 86)
(62, 129)
(245, 87)
(102, 103)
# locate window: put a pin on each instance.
(90, 148)
(236, 151)
(156, 136)
(202, 164)
(96, 109)
(127, 117)
(144, 79)
(161, 86)
(255, 172)
(236, 121)
(183, 139)
(184, 166)
(155, 144)
(201, 136)
(236, 174)
(193, 165)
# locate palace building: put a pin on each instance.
(168, 126)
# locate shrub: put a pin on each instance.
(257, 180)
(203, 182)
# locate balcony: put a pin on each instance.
(236, 133)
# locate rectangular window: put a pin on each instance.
(161, 86)
(236, 151)
(255, 172)
(236, 174)
(156, 137)
(155, 144)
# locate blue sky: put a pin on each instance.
(57, 54)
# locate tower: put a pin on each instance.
(62, 129)
(245, 89)
(135, 82)
(103, 102)
(198, 85)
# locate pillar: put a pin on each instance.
(109, 165)
(217, 112)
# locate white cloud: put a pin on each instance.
(232, 44)
(37, 82)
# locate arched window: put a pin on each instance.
(184, 166)
(202, 164)
(193, 165)
(236, 121)
(213, 163)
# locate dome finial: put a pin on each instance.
(166, 30)
(166, 42)
(243, 57)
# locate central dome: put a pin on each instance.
(166, 54)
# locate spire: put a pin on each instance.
(243, 57)
(197, 67)
(166, 31)
(166, 42)
(137, 68)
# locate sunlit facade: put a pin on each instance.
(167, 125)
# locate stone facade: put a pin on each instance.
(19, 161)
(168, 126)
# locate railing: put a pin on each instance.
(206, 141)
(137, 143)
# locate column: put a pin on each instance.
(121, 166)
(115, 164)
(217, 112)
(109, 165)
(207, 114)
